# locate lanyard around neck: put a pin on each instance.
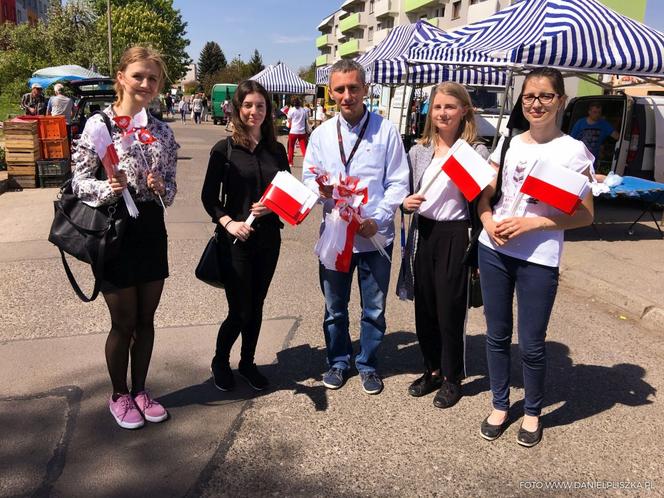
(342, 153)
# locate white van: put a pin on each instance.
(639, 121)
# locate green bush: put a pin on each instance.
(3, 164)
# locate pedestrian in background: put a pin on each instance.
(243, 166)
(197, 108)
(204, 111)
(520, 248)
(183, 107)
(60, 104)
(34, 102)
(297, 125)
(134, 280)
(437, 239)
(358, 143)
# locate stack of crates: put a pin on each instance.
(55, 168)
(22, 151)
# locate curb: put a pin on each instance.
(649, 314)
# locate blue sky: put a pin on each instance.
(282, 30)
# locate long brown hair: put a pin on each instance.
(467, 127)
(240, 130)
(138, 53)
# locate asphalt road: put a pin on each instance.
(602, 425)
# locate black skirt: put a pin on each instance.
(143, 254)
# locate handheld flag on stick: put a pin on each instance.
(562, 188)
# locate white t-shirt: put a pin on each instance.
(298, 118)
(61, 105)
(445, 202)
(543, 247)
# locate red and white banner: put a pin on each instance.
(289, 198)
(469, 171)
(560, 187)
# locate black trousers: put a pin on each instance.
(440, 295)
(254, 263)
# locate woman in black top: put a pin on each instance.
(245, 164)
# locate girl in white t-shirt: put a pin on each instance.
(520, 249)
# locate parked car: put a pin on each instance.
(90, 95)
(639, 121)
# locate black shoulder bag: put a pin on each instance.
(470, 256)
(92, 235)
(215, 266)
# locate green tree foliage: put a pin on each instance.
(255, 65)
(144, 22)
(211, 60)
(308, 73)
(234, 72)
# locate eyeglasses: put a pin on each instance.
(544, 98)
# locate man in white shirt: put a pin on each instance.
(297, 124)
(60, 104)
(362, 144)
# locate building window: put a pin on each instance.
(456, 10)
(370, 34)
(371, 6)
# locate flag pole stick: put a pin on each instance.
(428, 185)
(145, 160)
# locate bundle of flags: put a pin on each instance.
(103, 144)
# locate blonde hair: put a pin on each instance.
(139, 53)
(467, 127)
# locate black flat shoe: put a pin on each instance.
(448, 395)
(529, 439)
(424, 385)
(491, 432)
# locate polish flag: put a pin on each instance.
(469, 171)
(289, 198)
(560, 187)
(103, 144)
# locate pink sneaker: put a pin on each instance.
(151, 409)
(125, 412)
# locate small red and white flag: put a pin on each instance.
(560, 187)
(469, 171)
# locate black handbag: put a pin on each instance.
(474, 289)
(90, 234)
(215, 267)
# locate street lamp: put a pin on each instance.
(110, 42)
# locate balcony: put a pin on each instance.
(415, 5)
(348, 3)
(323, 60)
(482, 10)
(351, 47)
(353, 21)
(439, 22)
(380, 35)
(384, 8)
(323, 40)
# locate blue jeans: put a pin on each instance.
(374, 278)
(536, 286)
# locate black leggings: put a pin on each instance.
(132, 332)
(254, 263)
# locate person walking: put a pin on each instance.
(242, 166)
(134, 280)
(204, 107)
(183, 107)
(520, 248)
(437, 239)
(228, 112)
(197, 108)
(297, 124)
(362, 144)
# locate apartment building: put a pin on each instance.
(23, 11)
(359, 25)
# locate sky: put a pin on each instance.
(281, 30)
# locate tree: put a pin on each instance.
(308, 73)
(146, 22)
(211, 60)
(255, 65)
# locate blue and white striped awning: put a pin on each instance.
(281, 79)
(387, 63)
(579, 35)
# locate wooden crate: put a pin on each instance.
(51, 127)
(23, 181)
(21, 142)
(21, 127)
(21, 169)
(22, 156)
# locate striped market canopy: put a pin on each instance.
(579, 35)
(281, 79)
(386, 63)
